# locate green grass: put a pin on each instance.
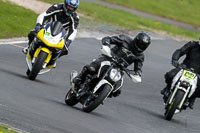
(53, 1)
(4, 129)
(15, 21)
(127, 20)
(183, 10)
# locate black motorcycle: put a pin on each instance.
(97, 88)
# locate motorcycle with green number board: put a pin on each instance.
(182, 88)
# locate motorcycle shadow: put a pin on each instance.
(13, 73)
(150, 112)
(78, 109)
(98, 115)
(25, 77)
(50, 84)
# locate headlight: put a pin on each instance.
(115, 75)
(184, 84)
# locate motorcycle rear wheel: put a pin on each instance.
(170, 110)
(37, 66)
(70, 98)
(90, 105)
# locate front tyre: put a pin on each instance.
(170, 110)
(37, 66)
(70, 98)
(28, 72)
(90, 104)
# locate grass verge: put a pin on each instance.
(5, 129)
(182, 10)
(15, 21)
(127, 20)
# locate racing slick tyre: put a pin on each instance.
(170, 110)
(91, 104)
(37, 65)
(70, 98)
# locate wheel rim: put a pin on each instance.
(68, 96)
(88, 103)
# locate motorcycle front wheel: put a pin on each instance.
(170, 109)
(37, 66)
(70, 98)
(91, 104)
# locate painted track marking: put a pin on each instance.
(14, 43)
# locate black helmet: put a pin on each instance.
(141, 42)
(70, 6)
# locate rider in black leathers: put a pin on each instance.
(192, 52)
(64, 13)
(129, 49)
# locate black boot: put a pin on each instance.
(25, 50)
(191, 102)
(165, 90)
(77, 80)
(31, 37)
(55, 56)
(80, 77)
(116, 93)
(51, 64)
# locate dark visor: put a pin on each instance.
(70, 8)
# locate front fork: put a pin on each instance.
(32, 60)
(169, 101)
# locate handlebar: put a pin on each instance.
(118, 61)
(121, 63)
(184, 67)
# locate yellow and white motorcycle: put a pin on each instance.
(48, 39)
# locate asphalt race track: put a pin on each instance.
(38, 106)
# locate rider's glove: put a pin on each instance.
(38, 27)
(138, 73)
(106, 41)
(175, 63)
(135, 76)
(132, 72)
(67, 43)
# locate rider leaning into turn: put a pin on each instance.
(131, 50)
(192, 52)
(64, 13)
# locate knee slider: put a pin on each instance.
(168, 78)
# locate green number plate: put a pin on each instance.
(188, 74)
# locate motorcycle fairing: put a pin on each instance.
(191, 78)
(102, 82)
(50, 41)
(118, 85)
(188, 76)
(103, 63)
(184, 75)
